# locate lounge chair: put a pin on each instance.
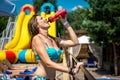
(20, 74)
(90, 62)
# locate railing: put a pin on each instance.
(7, 34)
(88, 75)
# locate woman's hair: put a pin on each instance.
(32, 26)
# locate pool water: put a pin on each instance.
(107, 79)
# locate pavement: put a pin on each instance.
(95, 72)
(98, 74)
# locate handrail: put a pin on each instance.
(88, 75)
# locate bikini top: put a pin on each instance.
(52, 52)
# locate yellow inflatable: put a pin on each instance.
(52, 29)
(19, 47)
(21, 39)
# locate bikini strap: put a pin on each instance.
(47, 46)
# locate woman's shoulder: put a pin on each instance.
(37, 38)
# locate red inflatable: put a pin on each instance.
(10, 56)
(27, 6)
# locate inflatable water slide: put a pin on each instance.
(19, 49)
(52, 29)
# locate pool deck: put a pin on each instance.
(97, 74)
(93, 70)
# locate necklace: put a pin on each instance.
(46, 36)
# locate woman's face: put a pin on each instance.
(42, 22)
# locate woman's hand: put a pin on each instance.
(63, 19)
(76, 69)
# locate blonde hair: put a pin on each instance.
(32, 26)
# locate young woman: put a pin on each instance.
(46, 50)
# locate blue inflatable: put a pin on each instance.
(42, 9)
(7, 8)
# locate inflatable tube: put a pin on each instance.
(10, 55)
(21, 56)
(26, 55)
(30, 56)
(2, 55)
(27, 6)
(42, 9)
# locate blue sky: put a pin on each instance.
(67, 4)
(72, 4)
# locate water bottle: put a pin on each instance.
(61, 13)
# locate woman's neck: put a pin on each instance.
(44, 32)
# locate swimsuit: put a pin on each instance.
(40, 78)
(52, 52)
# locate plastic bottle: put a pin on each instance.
(59, 13)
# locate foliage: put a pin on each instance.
(102, 21)
(3, 23)
(102, 24)
(75, 19)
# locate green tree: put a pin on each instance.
(3, 23)
(102, 24)
(75, 19)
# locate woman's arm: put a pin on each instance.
(73, 37)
